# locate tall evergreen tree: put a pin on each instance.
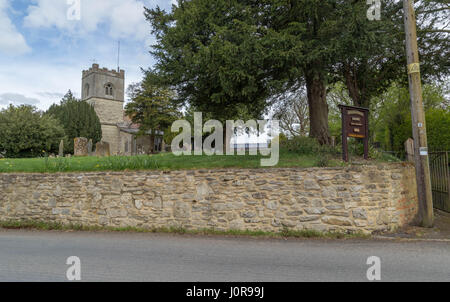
(78, 119)
(151, 107)
(210, 53)
(227, 57)
(370, 55)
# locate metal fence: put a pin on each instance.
(440, 180)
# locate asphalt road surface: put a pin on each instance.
(42, 256)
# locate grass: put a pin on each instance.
(163, 161)
(285, 233)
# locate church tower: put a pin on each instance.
(105, 90)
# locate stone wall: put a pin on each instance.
(111, 135)
(110, 112)
(365, 198)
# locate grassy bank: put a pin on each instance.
(286, 233)
(163, 161)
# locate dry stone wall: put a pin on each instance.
(357, 198)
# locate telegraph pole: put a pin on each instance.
(418, 118)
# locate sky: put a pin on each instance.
(44, 46)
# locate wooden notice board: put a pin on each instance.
(355, 123)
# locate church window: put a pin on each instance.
(109, 89)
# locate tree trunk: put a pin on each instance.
(352, 87)
(226, 143)
(356, 92)
(152, 143)
(318, 107)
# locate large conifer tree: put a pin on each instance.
(78, 119)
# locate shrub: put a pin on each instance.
(323, 160)
(438, 126)
(301, 145)
(307, 146)
(25, 132)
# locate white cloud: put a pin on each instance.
(53, 95)
(17, 99)
(124, 18)
(31, 79)
(12, 42)
(53, 82)
(61, 53)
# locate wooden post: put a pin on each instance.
(344, 135)
(366, 138)
(409, 150)
(418, 118)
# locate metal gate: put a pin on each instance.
(440, 180)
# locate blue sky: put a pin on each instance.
(42, 52)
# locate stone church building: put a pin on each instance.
(105, 90)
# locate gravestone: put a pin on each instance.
(61, 149)
(80, 146)
(89, 146)
(102, 149)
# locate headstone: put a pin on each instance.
(89, 146)
(80, 146)
(409, 148)
(61, 149)
(102, 149)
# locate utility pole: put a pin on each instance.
(418, 118)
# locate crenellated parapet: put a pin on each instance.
(110, 72)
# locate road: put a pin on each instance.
(41, 256)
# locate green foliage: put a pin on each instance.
(393, 124)
(301, 145)
(25, 132)
(307, 146)
(229, 58)
(180, 230)
(169, 135)
(151, 107)
(210, 53)
(438, 129)
(370, 56)
(162, 161)
(78, 119)
(282, 138)
(323, 160)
